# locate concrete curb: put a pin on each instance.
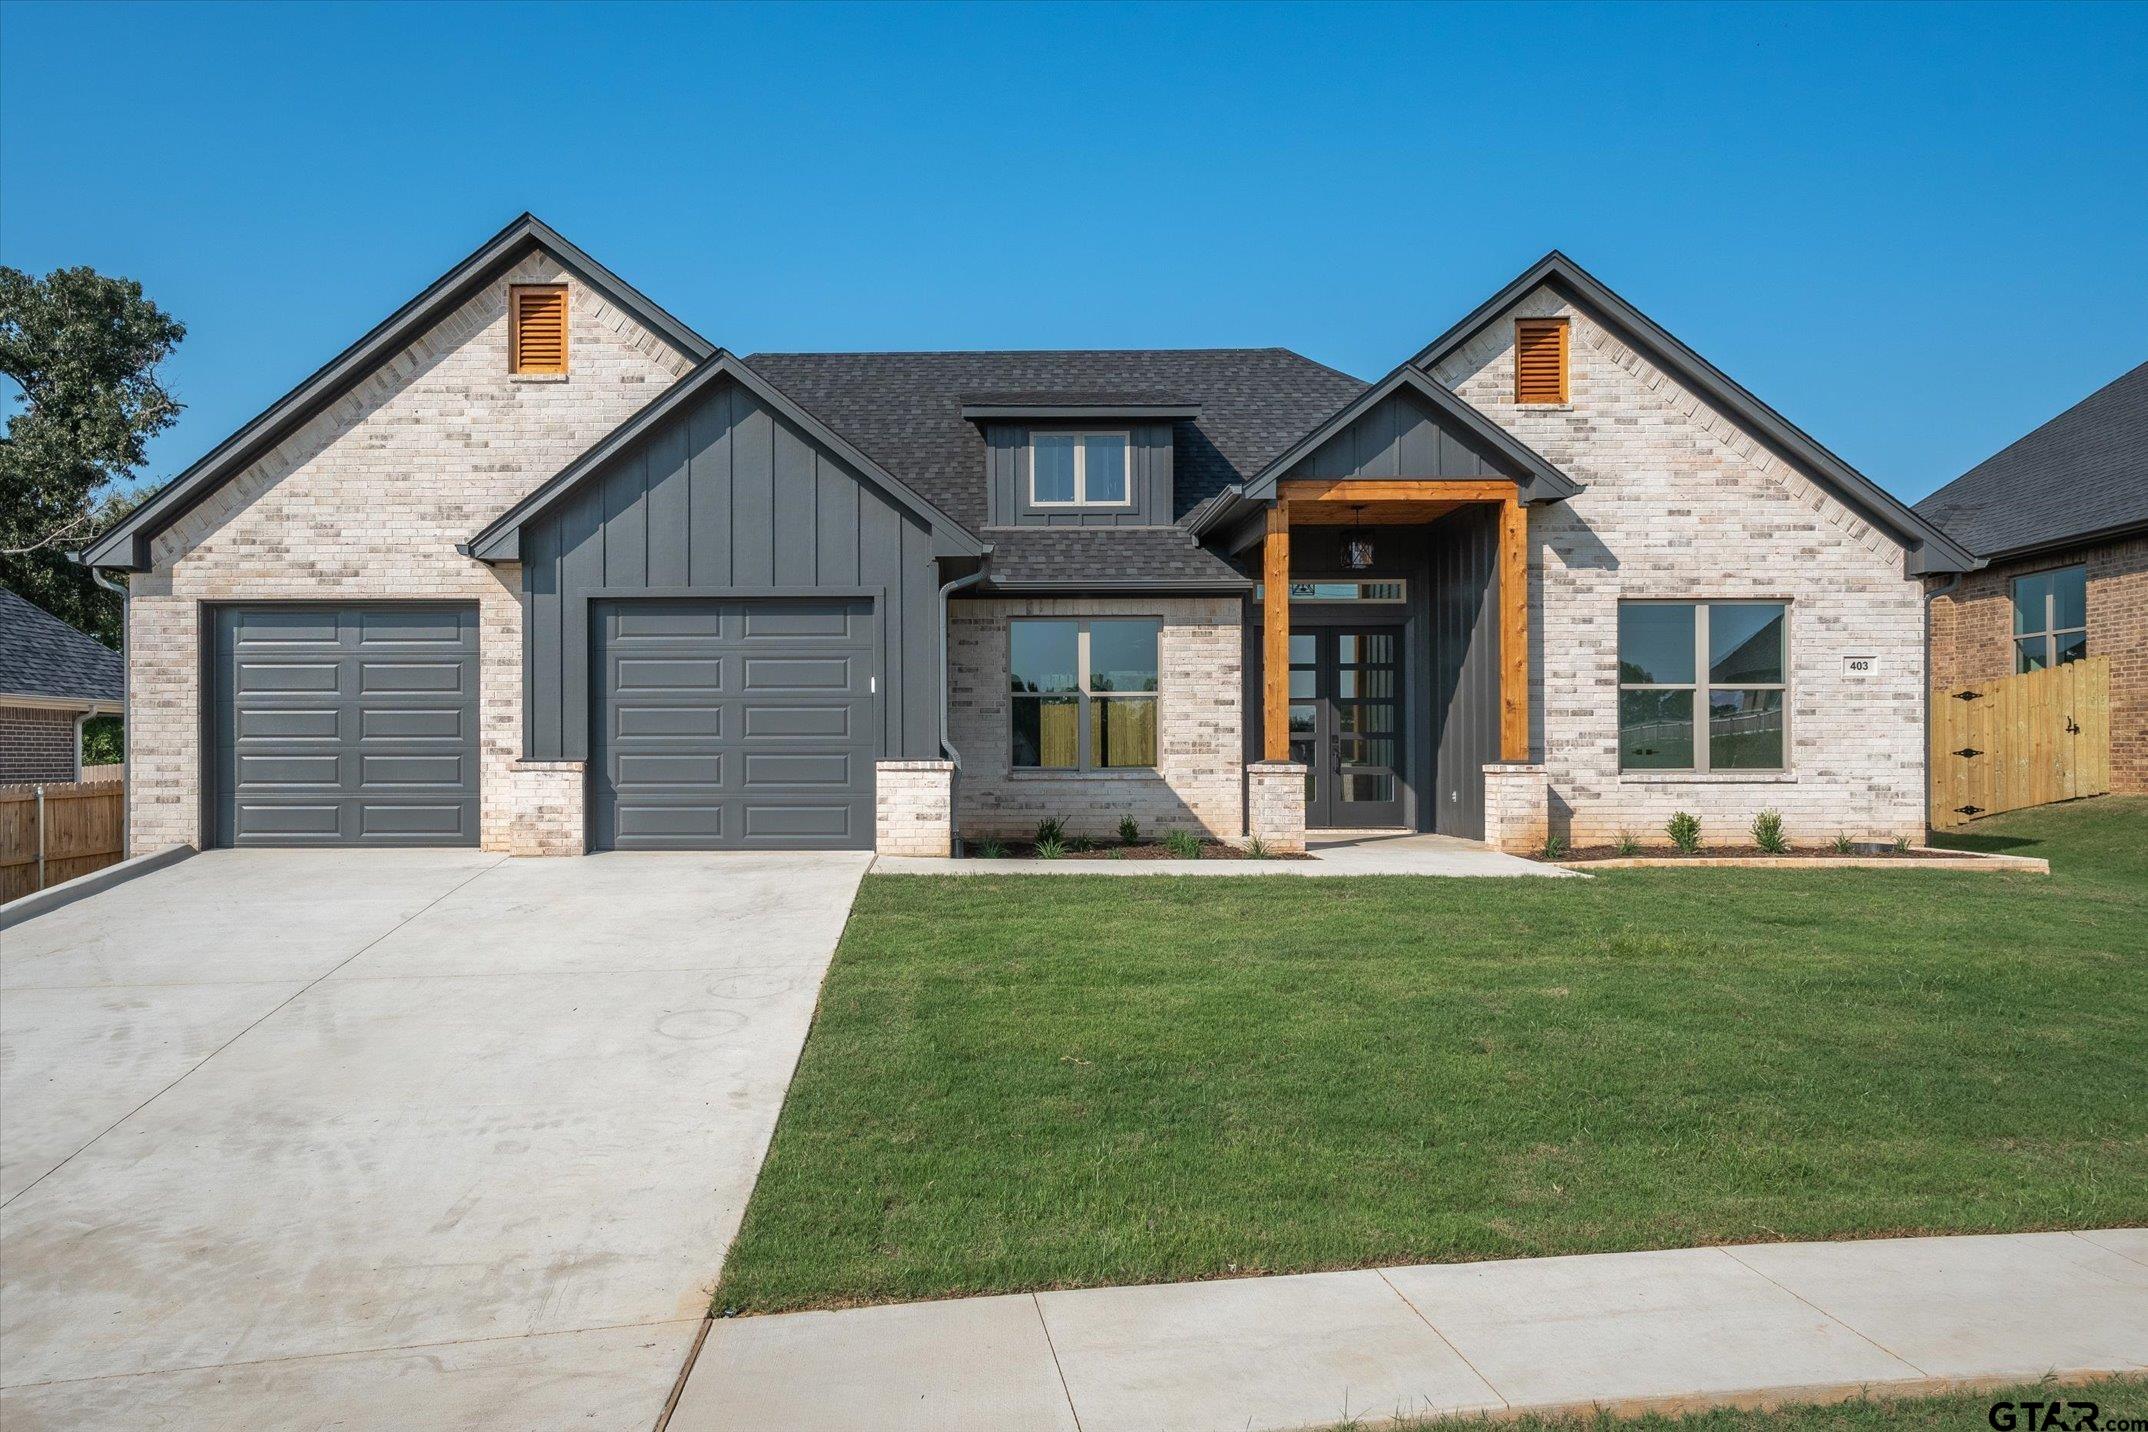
(1982, 862)
(67, 892)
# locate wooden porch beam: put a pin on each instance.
(1513, 631)
(1275, 636)
(1361, 489)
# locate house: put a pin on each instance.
(535, 566)
(52, 679)
(2060, 522)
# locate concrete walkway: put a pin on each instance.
(390, 1139)
(1332, 853)
(1682, 1327)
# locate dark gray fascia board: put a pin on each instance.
(500, 541)
(1536, 478)
(1057, 412)
(126, 545)
(1927, 548)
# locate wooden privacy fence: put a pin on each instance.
(75, 829)
(2020, 741)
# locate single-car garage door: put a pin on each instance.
(352, 725)
(733, 724)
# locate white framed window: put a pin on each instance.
(1082, 692)
(1080, 470)
(1703, 686)
(2050, 618)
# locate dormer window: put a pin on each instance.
(1078, 470)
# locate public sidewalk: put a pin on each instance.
(1683, 1327)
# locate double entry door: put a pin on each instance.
(1346, 724)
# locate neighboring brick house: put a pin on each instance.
(534, 566)
(2060, 522)
(52, 679)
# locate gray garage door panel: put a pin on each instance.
(344, 726)
(734, 724)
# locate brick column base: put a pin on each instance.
(1275, 805)
(549, 805)
(914, 808)
(1517, 807)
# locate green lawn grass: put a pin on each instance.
(2115, 1398)
(1018, 1083)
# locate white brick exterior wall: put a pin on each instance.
(1275, 805)
(1682, 503)
(914, 808)
(1198, 784)
(547, 803)
(367, 501)
(1514, 807)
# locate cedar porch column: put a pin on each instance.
(1275, 636)
(1513, 630)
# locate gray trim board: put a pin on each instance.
(1927, 549)
(500, 541)
(126, 545)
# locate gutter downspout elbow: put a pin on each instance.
(947, 746)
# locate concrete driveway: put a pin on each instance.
(303, 1139)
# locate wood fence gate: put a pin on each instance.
(2020, 741)
(77, 828)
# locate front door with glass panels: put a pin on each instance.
(1346, 724)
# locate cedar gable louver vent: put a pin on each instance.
(1540, 360)
(537, 328)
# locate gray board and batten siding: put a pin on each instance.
(726, 497)
(1149, 458)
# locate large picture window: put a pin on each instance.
(1701, 685)
(1078, 470)
(2050, 618)
(1083, 692)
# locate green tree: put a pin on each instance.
(83, 348)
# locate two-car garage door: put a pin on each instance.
(714, 724)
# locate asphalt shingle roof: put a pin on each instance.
(905, 409)
(40, 655)
(1123, 554)
(2085, 471)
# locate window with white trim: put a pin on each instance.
(1082, 692)
(1702, 686)
(1080, 470)
(2050, 618)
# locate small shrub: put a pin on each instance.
(991, 850)
(1843, 845)
(1901, 845)
(1256, 849)
(1051, 828)
(1768, 832)
(1627, 845)
(1051, 849)
(1081, 845)
(1684, 831)
(1114, 855)
(1555, 847)
(1129, 832)
(1183, 846)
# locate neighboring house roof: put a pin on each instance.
(1147, 559)
(127, 544)
(1929, 549)
(906, 409)
(500, 539)
(44, 657)
(2080, 477)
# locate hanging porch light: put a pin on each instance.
(1357, 544)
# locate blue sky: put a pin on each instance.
(1917, 231)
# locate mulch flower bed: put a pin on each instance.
(1113, 850)
(1750, 852)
